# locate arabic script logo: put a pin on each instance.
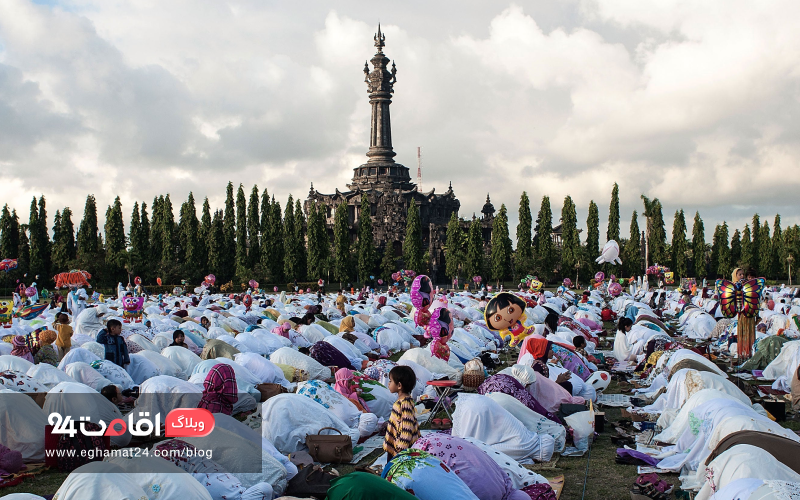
(189, 422)
(180, 422)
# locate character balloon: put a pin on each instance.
(600, 276)
(567, 282)
(8, 265)
(421, 298)
(614, 289)
(137, 281)
(253, 284)
(248, 301)
(6, 312)
(132, 307)
(211, 279)
(440, 328)
(275, 289)
(610, 253)
(505, 314)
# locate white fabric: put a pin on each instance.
(161, 479)
(676, 425)
(185, 359)
(288, 418)
(165, 365)
(15, 363)
(532, 420)
(77, 354)
(423, 357)
(140, 368)
(143, 342)
(334, 402)
(345, 348)
(482, 418)
(242, 430)
(81, 400)
(85, 374)
(291, 357)
(95, 348)
(245, 380)
(745, 461)
(48, 375)
(162, 394)
(116, 374)
(22, 425)
(88, 323)
(682, 354)
(100, 480)
(519, 475)
(265, 370)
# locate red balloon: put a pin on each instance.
(137, 280)
(158, 280)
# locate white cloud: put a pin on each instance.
(696, 104)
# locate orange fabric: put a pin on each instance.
(537, 348)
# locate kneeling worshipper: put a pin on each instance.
(220, 392)
(507, 384)
(427, 477)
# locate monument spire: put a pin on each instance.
(381, 168)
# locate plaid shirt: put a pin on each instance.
(219, 390)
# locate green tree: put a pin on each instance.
(412, 245)
(473, 263)
(44, 236)
(724, 252)
(453, 255)
(203, 238)
(764, 250)
(699, 246)
(317, 240)
(341, 241)
(545, 248)
(501, 246)
(116, 255)
(67, 236)
(55, 258)
(736, 248)
(592, 232)
(242, 272)
(524, 256)
(24, 251)
(366, 243)
(228, 258)
(656, 233)
(88, 237)
(679, 246)
(145, 228)
(756, 246)
(778, 249)
(188, 235)
(216, 245)
(265, 250)
(747, 248)
(137, 253)
(388, 261)
(276, 239)
(791, 242)
(570, 240)
(9, 234)
(37, 246)
(632, 260)
(300, 241)
(155, 235)
(167, 235)
(289, 243)
(253, 230)
(612, 233)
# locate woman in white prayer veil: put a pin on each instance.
(90, 321)
(746, 461)
(100, 480)
(480, 417)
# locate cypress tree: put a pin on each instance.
(228, 258)
(204, 237)
(167, 233)
(314, 243)
(453, 255)
(88, 237)
(473, 263)
(9, 234)
(713, 262)
(216, 245)
(545, 248)
(632, 261)
(747, 248)
(115, 240)
(736, 249)
(778, 249)
(37, 247)
(764, 251)
(412, 245)
(524, 255)
(156, 230)
(67, 233)
(341, 240)
(189, 231)
(570, 241)
(253, 230)
(501, 246)
(300, 241)
(388, 261)
(276, 237)
(24, 251)
(265, 249)
(724, 253)
(755, 234)
(791, 242)
(366, 242)
(679, 246)
(612, 233)
(658, 235)
(55, 259)
(145, 228)
(289, 243)
(241, 236)
(45, 236)
(698, 246)
(592, 233)
(136, 258)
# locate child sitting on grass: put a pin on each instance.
(403, 429)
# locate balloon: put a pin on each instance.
(395, 276)
(30, 291)
(211, 278)
(275, 289)
(614, 289)
(8, 265)
(612, 277)
(137, 281)
(380, 282)
(248, 301)
(177, 290)
(72, 279)
(158, 280)
(567, 282)
(253, 284)
(610, 253)
(372, 277)
(600, 276)
(198, 290)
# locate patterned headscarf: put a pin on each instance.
(219, 390)
(21, 348)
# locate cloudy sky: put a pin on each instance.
(697, 104)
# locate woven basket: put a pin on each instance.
(472, 379)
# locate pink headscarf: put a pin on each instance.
(345, 385)
(283, 330)
(21, 348)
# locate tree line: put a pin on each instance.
(252, 237)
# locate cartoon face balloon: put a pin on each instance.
(440, 324)
(610, 253)
(137, 280)
(567, 282)
(6, 311)
(248, 301)
(211, 279)
(600, 276)
(614, 289)
(505, 313)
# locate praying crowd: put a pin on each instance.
(459, 394)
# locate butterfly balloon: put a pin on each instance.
(740, 298)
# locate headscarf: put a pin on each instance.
(219, 390)
(21, 349)
(524, 374)
(509, 385)
(348, 324)
(343, 386)
(282, 330)
(382, 301)
(733, 274)
(538, 348)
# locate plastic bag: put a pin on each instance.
(582, 425)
